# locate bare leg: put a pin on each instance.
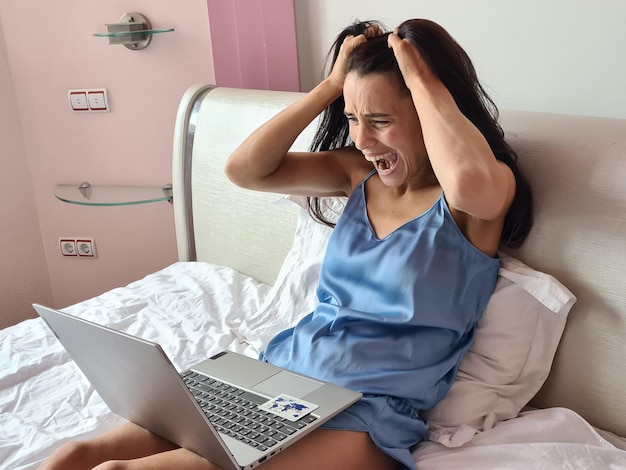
(332, 450)
(179, 459)
(129, 441)
(131, 447)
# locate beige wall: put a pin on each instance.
(561, 56)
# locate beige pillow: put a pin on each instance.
(515, 343)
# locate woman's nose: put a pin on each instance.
(363, 138)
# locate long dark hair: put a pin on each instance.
(454, 68)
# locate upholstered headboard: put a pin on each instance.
(577, 168)
(255, 230)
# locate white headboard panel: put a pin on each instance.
(254, 232)
(576, 166)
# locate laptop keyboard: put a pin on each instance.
(234, 411)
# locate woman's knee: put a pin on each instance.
(74, 454)
(113, 465)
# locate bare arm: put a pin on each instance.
(263, 161)
(473, 181)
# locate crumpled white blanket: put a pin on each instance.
(550, 439)
(194, 310)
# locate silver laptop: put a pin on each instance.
(233, 410)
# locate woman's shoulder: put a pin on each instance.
(353, 164)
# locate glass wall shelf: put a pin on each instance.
(130, 33)
(134, 31)
(87, 195)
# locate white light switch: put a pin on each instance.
(78, 100)
(93, 100)
(97, 100)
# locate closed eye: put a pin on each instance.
(372, 120)
(378, 119)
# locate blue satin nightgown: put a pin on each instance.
(395, 317)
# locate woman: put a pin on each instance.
(433, 188)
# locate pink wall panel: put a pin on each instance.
(223, 26)
(280, 38)
(254, 44)
(249, 33)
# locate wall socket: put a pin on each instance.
(80, 247)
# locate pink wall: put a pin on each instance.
(131, 145)
(23, 271)
(254, 44)
(45, 144)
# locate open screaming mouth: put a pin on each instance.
(383, 162)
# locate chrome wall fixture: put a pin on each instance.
(133, 31)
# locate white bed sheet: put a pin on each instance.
(191, 309)
(194, 310)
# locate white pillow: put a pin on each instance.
(294, 295)
(515, 343)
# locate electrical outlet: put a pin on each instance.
(68, 247)
(81, 247)
(86, 247)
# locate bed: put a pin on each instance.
(543, 385)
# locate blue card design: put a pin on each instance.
(288, 407)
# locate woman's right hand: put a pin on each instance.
(350, 43)
(264, 162)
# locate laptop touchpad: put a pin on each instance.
(286, 382)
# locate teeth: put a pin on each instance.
(383, 161)
(376, 158)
